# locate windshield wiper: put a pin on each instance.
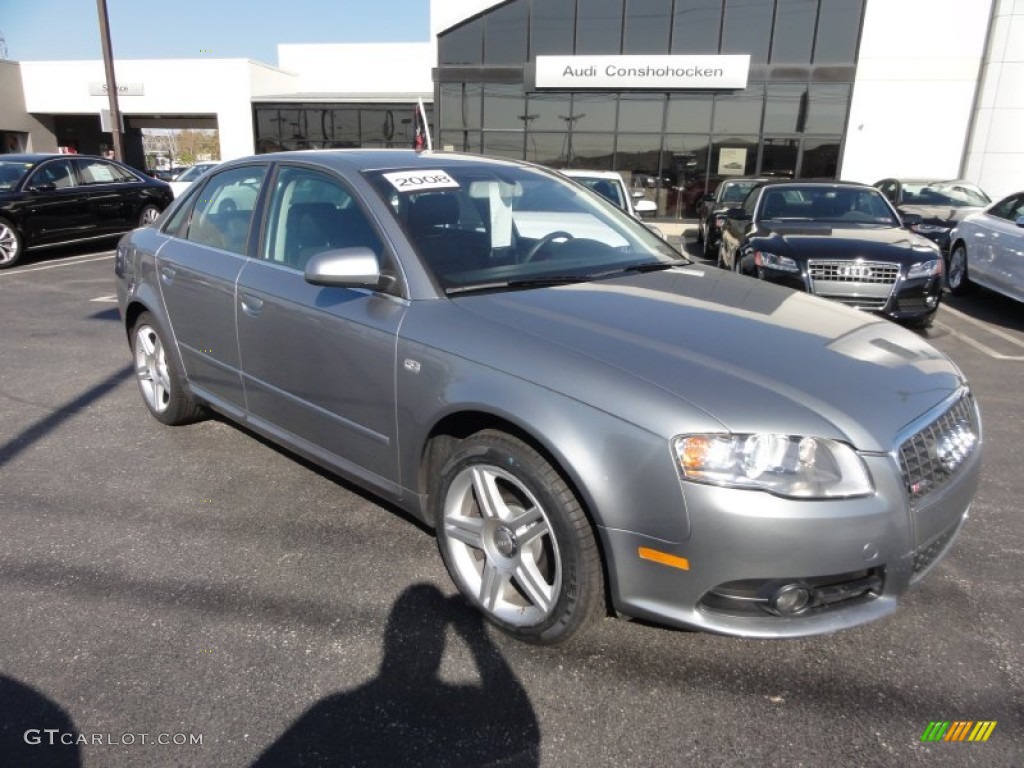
(521, 282)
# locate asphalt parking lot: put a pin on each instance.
(198, 584)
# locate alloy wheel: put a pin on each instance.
(151, 369)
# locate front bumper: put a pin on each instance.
(858, 556)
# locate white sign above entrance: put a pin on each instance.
(626, 72)
(123, 89)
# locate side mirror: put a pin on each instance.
(345, 268)
(911, 219)
(735, 213)
(1019, 221)
(637, 194)
(707, 197)
(645, 206)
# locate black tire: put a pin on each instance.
(158, 376)
(12, 245)
(148, 215)
(957, 275)
(530, 563)
(700, 235)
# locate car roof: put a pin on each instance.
(381, 159)
(580, 173)
(816, 183)
(36, 157)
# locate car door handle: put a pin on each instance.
(251, 305)
(167, 274)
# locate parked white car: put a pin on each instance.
(988, 249)
(610, 184)
(190, 174)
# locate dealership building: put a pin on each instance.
(674, 94)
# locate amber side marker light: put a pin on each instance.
(664, 558)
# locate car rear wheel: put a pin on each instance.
(148, 215)
(11, 245)
(159, 378)
(957, 278)
(516, 541)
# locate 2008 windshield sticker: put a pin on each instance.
(414, 181)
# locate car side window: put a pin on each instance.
(101, 172)
(310, 212)
(1010, 208)
(750, 202)
(222, 216)
(59, 173)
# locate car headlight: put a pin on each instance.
(774, 261)
(785, 465)
(925, 269)
(929, 229)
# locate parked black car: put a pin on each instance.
(932, 207)
(48, 200)
(730, 192)
(839, 240)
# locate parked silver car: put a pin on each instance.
(578, 410)
(988, 249)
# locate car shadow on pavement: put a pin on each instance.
(408, 715)
(38, 430)
(32, 729)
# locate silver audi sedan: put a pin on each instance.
(591, 423)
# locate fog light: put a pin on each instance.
(790, 599)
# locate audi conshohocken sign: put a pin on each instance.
(660, 72)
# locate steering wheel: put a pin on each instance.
(544, 241)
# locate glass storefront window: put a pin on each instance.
(642, 112)
(827, 108)
(785, 108)
(550, 149)
(598, 26)
(504, 144)
(505, 35)
(779, 156)
(793, 37)
(838, 32)
(548, 111)
(739, 112)
(820, 159)
(591, 150)
(344, 128)
(733, 156)
(689, 112)
(504, 104)
(594, 111)
(463, 46)
(551, 27)
(696, 26)
(685, 165)
(647, 27)
(747, 28)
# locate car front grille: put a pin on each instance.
(931, 458)
(862, 284)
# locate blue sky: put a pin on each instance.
(251, 29)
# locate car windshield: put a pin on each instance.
(491, 226)
(193, 173)
(956, 194)
(11, 172)
(826, 203)
(736, 191)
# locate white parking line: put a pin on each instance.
(65, 263)
(985, 326)
(984, 348)
(109, 298)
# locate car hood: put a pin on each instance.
(808, 240)
(940, 213)
(670, 350)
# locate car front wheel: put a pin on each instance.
(516, 541)
(957, 278)
(11, 245)
(159, 378)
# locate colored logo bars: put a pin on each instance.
(958, 730)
